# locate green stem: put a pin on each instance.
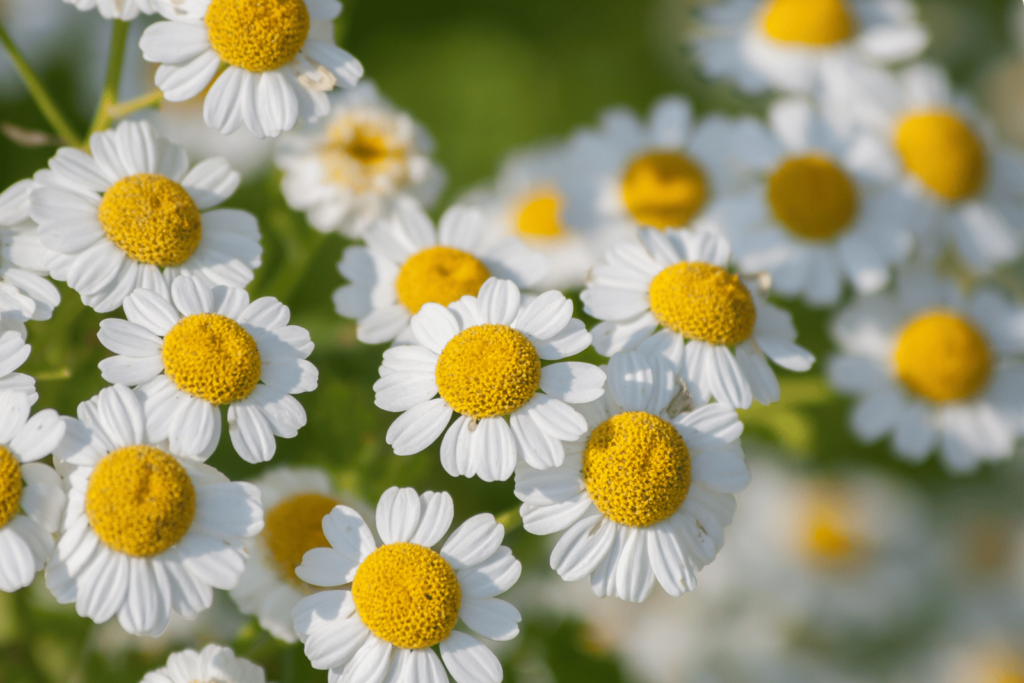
(122, 109)
(108, 98)
(510, 519)
(37, 90)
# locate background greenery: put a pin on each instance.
(484, 77)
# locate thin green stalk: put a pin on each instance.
(54, 116)
(108, 98)
(510, 519)
(122, 109)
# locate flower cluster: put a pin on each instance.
(879, 196)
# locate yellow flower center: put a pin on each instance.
(488, 370)
(703, 301)
(10, 486)
(829, 540)
(152, 219)
(637, 469)
(407, 595)
(293, 527)
(811, 22)
(942, 357)
(140, 501)
(361, 155)
(812, 197)
(942, 151)
(540, 215)
(664, 189)
(439, 275)
(257, 35)
(212, 357)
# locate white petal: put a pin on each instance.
(573, 382)
(437, 514)
(474, 541)
(417, 428)
(398, 514)
(491, 617)
(492, 577)
(469, 661)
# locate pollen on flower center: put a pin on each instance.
(140, 501)
(942, 357)
(540, 214)
(488, 370)
(364, 155)
(811, 22)
(942, 151)
(439, 275)
(664, 189)
(705, 302)
(257, 35)
(152, 219)
(293, 527)
(10, 486)
(812, 197)
(636, 468)
(407, 595)
(212, 357)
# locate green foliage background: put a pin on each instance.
(484, 77)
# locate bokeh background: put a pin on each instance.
(904, 575)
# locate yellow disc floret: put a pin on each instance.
(152, 219)
(212, 357)
(293, 527)
(829, 538)
(812, 197)
(810, 22)
(664, 189)
(942, 357)
(439, 275)
(257, 35)
(942, 151)
(703, 301)
(407, 595)
(10, 486)
(140, 501)
(488, 370)
(365, 154)
(636, 468)
(540, 215)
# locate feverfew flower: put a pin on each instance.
(763, 44)
(483, 356)
(407, 263)
(125, 10)
(645, 493)
(935, 369)
(276, 72)
(214, 663)
(134, 215)
(348, 170)
(25, 293)
(811, 219)
(405, 598)
(145, 531)
(206, 348)
(677, 280)
(31, 497)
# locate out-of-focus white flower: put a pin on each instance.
(349, 169)
(214, 663)
(125, 10)
(25, 293)
(783, 44)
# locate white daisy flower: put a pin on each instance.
(348, 170)
(666, 172)
(763, 44)
(145, 531)
(407, 263)
(125, 10)
(913, 130)
(133, 215)
(205, 348)
(483, 356)
(214, 663)
(276, 71)
(404, 598)
(25, 293)
(13, 354)
(31, 497)
(645, 493)
(810, 219)
(934, 369)
(678, 280)
(296, 499)
(529, 201)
